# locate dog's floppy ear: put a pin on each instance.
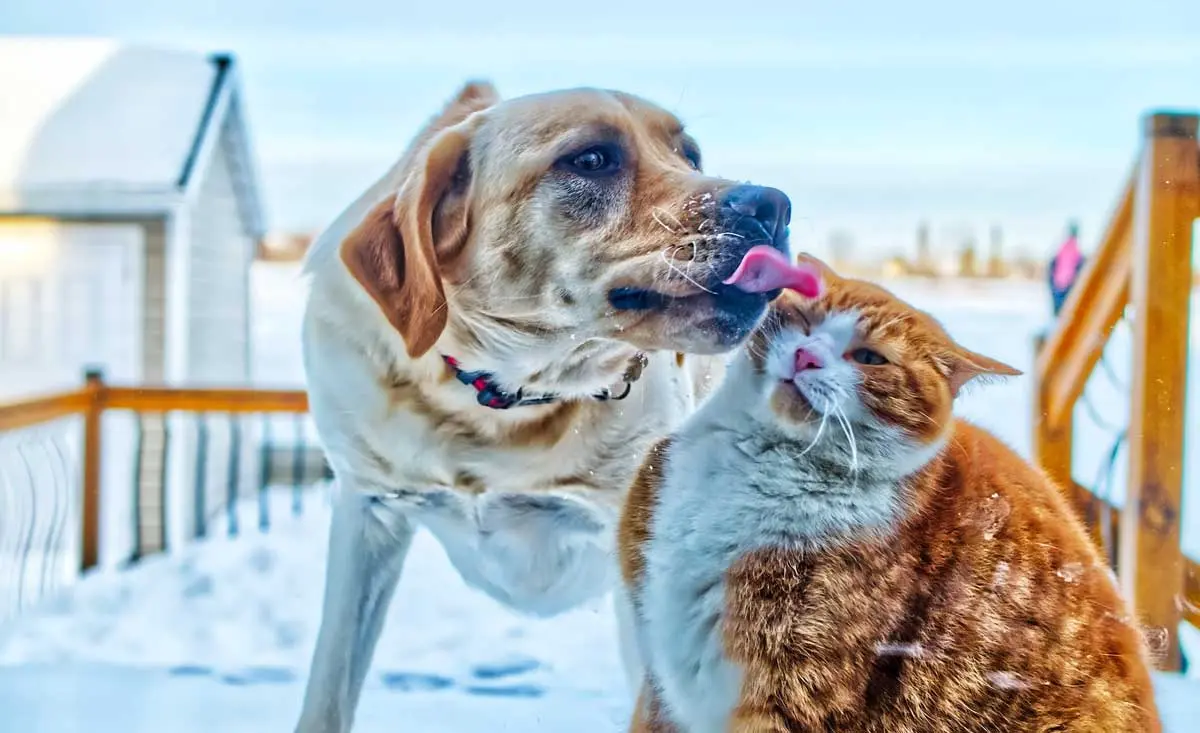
(394, 251)
(471, 97)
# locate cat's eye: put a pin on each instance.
(868, 357)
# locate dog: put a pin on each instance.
(494, 334)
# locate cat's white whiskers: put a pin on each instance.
(848, 429)
(817, 437)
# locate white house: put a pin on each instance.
(129, 215)
(129, 218)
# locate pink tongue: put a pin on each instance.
(766, 268)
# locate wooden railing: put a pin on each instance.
(1144, 262)
(97, 398)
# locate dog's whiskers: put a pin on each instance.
(674, 268)
(659, 214)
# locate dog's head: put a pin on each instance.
(524, 229)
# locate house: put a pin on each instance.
(129, 215)
(129, 218)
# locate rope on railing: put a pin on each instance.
(38, 514)
(1102, 486)
(136, 469)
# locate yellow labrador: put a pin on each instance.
(496, 332)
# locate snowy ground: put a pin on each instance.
(218, 637)
(103, 699)
(245, 612)
(226, 628)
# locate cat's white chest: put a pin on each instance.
(683, 614)
(682, 598)
(731, 487)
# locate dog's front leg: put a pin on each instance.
(368, 541)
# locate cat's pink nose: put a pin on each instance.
(805, 360)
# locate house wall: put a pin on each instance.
(212, 458)
(71, 296)
(173, 488)
(219, 298)
(154, 322)
(149, 464)
(92, 296)
(205, 295)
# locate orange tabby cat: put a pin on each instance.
(824, 547)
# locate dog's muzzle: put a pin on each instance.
(747, 216)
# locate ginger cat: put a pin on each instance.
(824, 547)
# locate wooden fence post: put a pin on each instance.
(1151, 562)
(1052, 441)
(90, 524)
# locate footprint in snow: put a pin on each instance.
(256, 675)
(526, 691)
(505, 668)
(415, 682)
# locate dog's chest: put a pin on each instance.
(533, 528)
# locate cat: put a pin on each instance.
(823, 546)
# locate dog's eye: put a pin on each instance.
(596, 161)
(591, 161)
(691, 155)
(868, 357)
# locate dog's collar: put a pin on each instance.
(490, 394)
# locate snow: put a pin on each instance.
(244, 611)
(218, 635)
(255, 600)
(100, 699)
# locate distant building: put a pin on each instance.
(283, 246)
(925, 264)
(129, 217)
(129, 214)
(996, 265)
(968, 260)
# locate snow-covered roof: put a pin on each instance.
(94, 127)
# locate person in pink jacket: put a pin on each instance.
(1065, 267)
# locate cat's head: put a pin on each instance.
(858, 362)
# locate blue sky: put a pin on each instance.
(873, 115)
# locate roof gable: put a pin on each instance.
(93, 112)
(93, 126)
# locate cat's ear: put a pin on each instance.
(967, 365)
(827, 273)
(804, 258)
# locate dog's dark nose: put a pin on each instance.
(769, 207)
